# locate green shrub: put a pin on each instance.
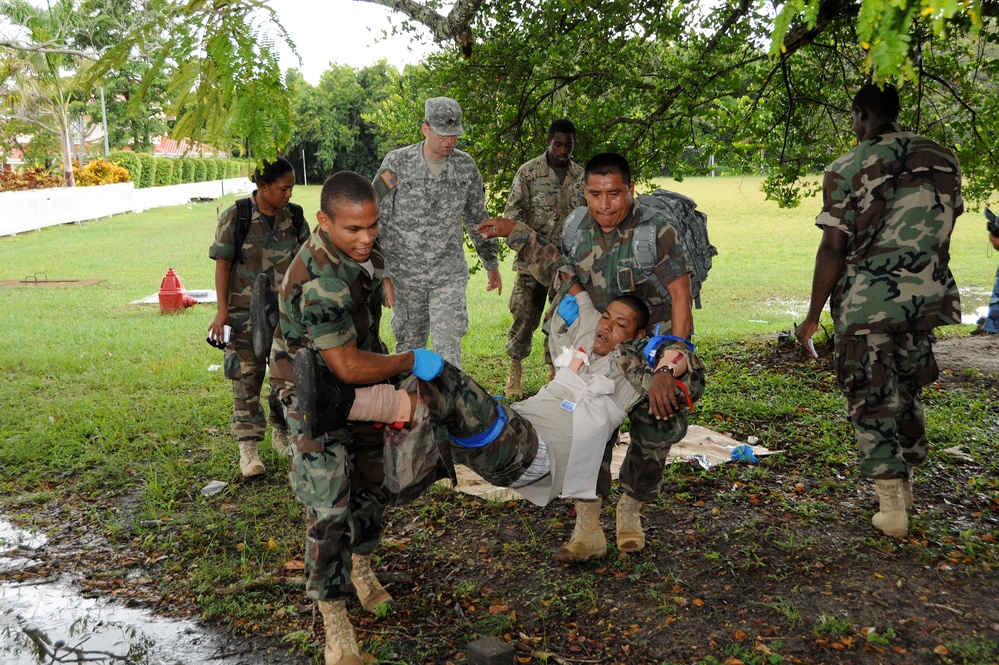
(211, 169)
(148, 178)
(164, 172)
(188, 170)
(130, 162)
(200, 169)
(178, 172)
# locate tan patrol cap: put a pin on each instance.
(444, 116)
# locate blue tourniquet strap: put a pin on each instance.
(653, 346)
(486, 437)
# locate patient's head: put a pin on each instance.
(625, 318)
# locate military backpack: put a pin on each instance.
(675, 209)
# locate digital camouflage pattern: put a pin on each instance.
(420, 309)
(269, 250)
(606, 267)
(328, 300)
(896, 197)
(881, 376)
(541, 201)
(422, 238)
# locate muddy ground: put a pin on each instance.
(784, 568)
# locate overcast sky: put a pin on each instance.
(345, 32)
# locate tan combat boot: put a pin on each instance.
(587, 539)
(341, 645)
(280, 441)
(370, 591)
(514, 389)
(891, 519)
(630, 537)
(907, 487)
(249, 459)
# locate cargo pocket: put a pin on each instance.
(230, 363)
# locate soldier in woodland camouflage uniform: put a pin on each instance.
(544, 191)
(606, 267)
(269, 247)
(426, 190)
(889, 207)
(330, 305)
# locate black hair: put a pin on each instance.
(345, 187)
(272, 171)
(564, 126)
(883, 102)
(607, 163)
(638, 306)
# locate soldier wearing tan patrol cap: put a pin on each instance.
(426, 191)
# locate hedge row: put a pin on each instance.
(148, 171)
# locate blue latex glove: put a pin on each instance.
(427, 365)
(568, 309)
(744, 453)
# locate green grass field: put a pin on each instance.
(121, 410)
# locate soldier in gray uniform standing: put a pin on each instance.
(544, 191)
(426, 190)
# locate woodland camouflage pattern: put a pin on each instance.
(539, 200)
(267, 252)
(896, 197)
(881, 376)
(328, 300)
(651, 439)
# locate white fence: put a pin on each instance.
(37, 208)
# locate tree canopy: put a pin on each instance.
(680, 88)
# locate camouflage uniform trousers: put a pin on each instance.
(641, 474)
(527, 304)
(247, 373)
(881, 377)
(465, 409)
(438, 308)
(341, 487)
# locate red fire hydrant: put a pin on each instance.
(173, 297)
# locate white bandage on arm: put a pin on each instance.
(381, 404)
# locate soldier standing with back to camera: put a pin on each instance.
(544, 191)
(888, 211)
(425, 191)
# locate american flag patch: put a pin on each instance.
(389, 179)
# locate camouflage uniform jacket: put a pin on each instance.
(606, 265)
(896, 197)
(265, 249)
(326, 301)
(421, 215)
(539, 200)
(542, 260)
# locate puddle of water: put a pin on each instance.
(46, 621)
(973, 318)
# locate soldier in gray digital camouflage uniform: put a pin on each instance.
(605, 264)
(426, 190)
(544, 191)
(330, 306)
(270, 244)
(888, 211)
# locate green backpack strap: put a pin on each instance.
(571, 236)
(244, 210)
